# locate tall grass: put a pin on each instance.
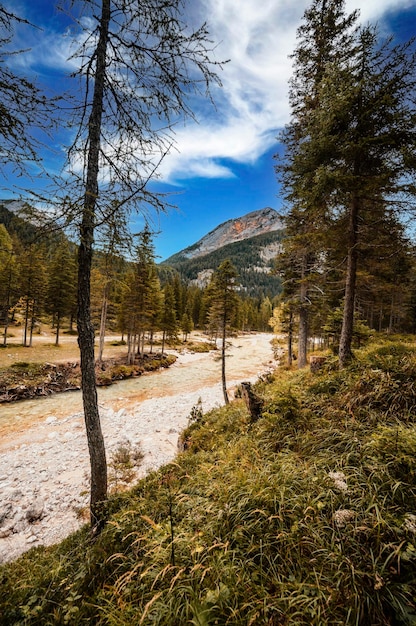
(306, 517)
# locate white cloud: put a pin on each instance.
(257, 36)
(372, 10)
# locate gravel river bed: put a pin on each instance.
(44, 463)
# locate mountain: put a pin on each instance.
(9, 216)
(251, 242)
(245, 227)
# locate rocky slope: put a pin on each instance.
(250, 225)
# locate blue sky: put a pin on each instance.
(222, 166)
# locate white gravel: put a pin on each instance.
(44, 477)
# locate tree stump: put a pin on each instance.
(316, 362)
(253, 402)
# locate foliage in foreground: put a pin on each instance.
(305, 517)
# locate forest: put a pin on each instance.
(136, 298)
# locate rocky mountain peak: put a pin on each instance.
(250, 225)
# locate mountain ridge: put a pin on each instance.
(251, 242)
(233, 230)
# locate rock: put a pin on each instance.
(20, 526)
(35, 510)
(51, 419)
(15, 495)
(5, 512)
(32, 539)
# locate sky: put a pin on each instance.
(222, 164)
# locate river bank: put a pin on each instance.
(44, 468)
(24, 380)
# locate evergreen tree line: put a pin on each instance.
(348, 174)
(136, 298)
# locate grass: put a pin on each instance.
(305, 517)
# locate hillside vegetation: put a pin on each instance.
(306, 516)
(247, 255)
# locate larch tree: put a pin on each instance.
(23, 106)
(139, 65)
(223, 303)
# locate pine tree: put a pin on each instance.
(61, 284)
(168, 322)
(140, 299)
(32, 287)
(223, 301)
(325, 37)
(186, 326)
(350, 144)
(9, 272)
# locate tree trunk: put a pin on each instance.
(290, 340)
(32, 323)
(26, 321)
(345, 342)
(303, 328)
(103, 321)
(391, 318)
(7, 312)
(58, 327)
(85, 251)
(224, 386)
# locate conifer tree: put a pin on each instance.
(349, 145)
(9, 273)
(223, 302)
(61, 285)
(168, 322)
(32, 287)
(369, 128)
(186, 326)
(326, 37)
